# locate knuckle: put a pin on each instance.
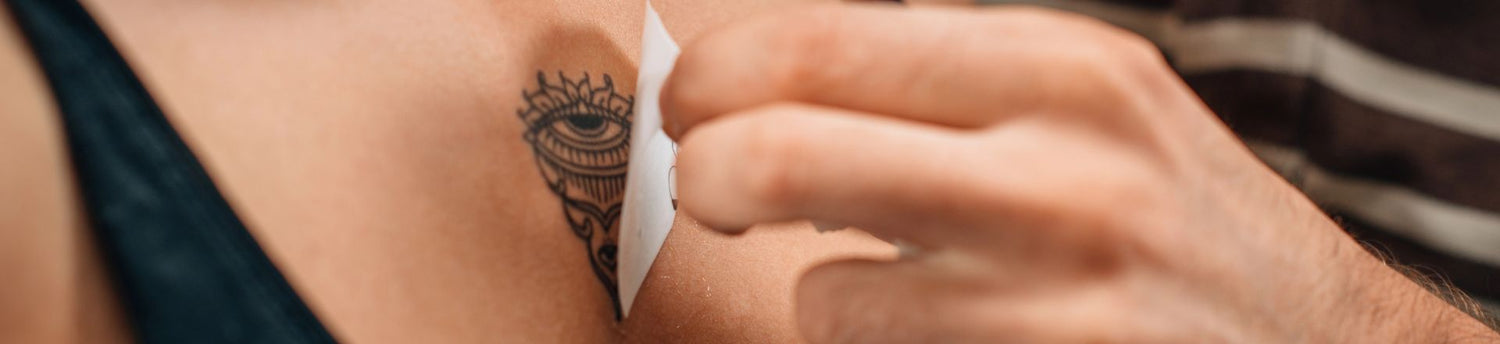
(1090, 70)
(1099, 58)
(1114, 82)
(1134, 53)
(1143, 51)
(1064, 21)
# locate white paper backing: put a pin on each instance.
(647, 213)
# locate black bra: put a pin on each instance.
(184, 266)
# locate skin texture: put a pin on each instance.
(1062, 184)
(55, 291)
(374, 151)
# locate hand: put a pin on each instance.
(1064, 184)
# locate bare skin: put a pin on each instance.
(55, 290)
(373, 149)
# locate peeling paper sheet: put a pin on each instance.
(648, 209)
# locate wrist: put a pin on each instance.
(1386, 306)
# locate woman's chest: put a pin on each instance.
(378, 153)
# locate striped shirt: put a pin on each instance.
(1385, 112)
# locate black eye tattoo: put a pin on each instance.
(580, 136)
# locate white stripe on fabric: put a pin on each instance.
(1462, 231)
(1306, 49)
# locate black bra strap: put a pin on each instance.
(184, 265)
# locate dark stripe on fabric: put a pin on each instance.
(1258, 105)
(1460, 38)
(1476, 278)
(1350, 138)
(185, 267)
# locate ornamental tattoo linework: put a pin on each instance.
(580, 137)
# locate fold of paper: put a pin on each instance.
(648, 209)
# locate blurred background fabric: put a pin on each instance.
(1386, 113)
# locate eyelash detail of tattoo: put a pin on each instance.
(580, 136)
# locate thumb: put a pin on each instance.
(864, 301)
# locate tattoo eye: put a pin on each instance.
(583, 130)
(586, 123)
(581, 127)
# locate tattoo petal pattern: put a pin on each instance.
(580, 137)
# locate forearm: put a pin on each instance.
(1333, 289)
(1391, 307)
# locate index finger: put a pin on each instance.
(943, 66)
